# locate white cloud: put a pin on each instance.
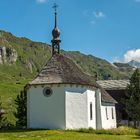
(132, 55)
(93, 16)
(41, 1)
(99, 14)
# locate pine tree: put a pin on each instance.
(132, 100)
(21, 114)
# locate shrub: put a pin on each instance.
(21, 114)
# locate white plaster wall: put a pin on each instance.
(76, 107)
(91, 99)
(98, 109)
(46, 112)
(108, 123)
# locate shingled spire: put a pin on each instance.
(56, 34)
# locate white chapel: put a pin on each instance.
(62, 96)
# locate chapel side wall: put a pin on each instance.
(91, 100)
(76, 107)
(46, 112)
(98, 109)
(108, 121)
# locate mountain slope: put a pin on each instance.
(124, 67)
(93, 65)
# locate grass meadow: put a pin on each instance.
(82, 134)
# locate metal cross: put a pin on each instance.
(55, 7)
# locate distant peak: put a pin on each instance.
(134, 63)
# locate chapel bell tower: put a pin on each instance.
(56, 34)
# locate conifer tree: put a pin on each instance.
(132, 101)
(21, 114)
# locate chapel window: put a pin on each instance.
(112, 113)
(91, 115)
(106, 113)
(47, 92)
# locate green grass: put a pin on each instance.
(122, 130)
(10, 89)
(61, 135)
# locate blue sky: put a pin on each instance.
(108, 29)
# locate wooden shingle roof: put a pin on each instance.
(113, 84)
(62, 70)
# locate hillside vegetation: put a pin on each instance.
(21, 59)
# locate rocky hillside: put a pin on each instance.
(23, 58)
(7, 55)
(20, 57)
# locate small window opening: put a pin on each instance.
(47, 92)
(91, 115)
(106, 113)
(112, 113)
